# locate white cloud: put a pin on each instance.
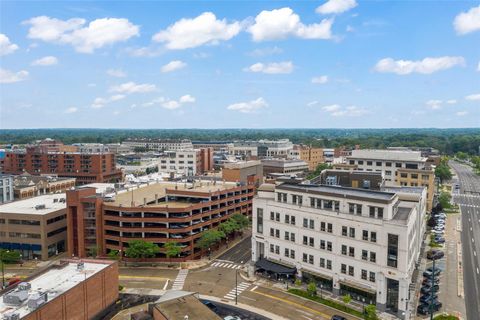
(312, 103)
(71, 110)
(336, 110)
(6, 47)
(473, 97)
(144, 52)
(45, 61)
(461, 113)
(336, 6)
(425, 66)
(101, 102)
(451, 101)
(171, 104)
(173, 65)
(84, 38)
(7, 76)
(271, 68)
(132, 87)
(265, 51)
(117, 73)
(117, 97)
(320, 79)
(249, 107)
(434, 104)
(191, 33)
(282, 23)
(467, 22)
(187, 99)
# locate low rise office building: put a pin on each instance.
(146, 144)
(243, 171)
(28, 186)
(36, 227)
(351, 241)
(6, 188)
(312, 156)
(284, 167)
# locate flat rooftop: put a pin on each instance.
(394, 155)
(55, 282)
(241, 164)
(175, 305)
(52, 203)
(339, 191)
(149, 191)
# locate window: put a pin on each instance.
(329, 228)
(54, 232)
(329, 246)
(277, 249)
(312, 202)
(373, 257)
(322, 226)
(351, 208)
(297, 199)
(305, 240)
(305, 257)
(259, 220)
(292, 254)
(372, 212)
(414, 176)
(378, 163)
(360, 161)
(403, 175)
(351, 162)
(312, 224)
(310, 259)
(287, 252)
(351, 251)
(352, 232)
(388, 172)
(322, 244)
(388, 164)
(272, 248)
(292, 220)
(327, 204)
(351, 271)
(344, 249)
(311, 242)
(272, 215)
(343, 268)
(287, 218)
(322, 262)
(364, 255)
(359, 209)
(365, 235)
(398, 164)
(369, 163)
(380, 213)
(373, 236)
(392, 250)
(305, 222)
(277, 233)
(292, 237)
(344, 231)
(372, 276)
(329, 264)
(277, 217)
(287, 235)
(364, 274)
(272, 232)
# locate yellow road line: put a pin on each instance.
(326, 316)
(143, 277)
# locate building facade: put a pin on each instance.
(28, 186)
(284, 166)
(158, 213)
(188, 162)
(159, 144)
(361, 242)
(36, 227)
(243, 171)
(6, 188)
(312, 156)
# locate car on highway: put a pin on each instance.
(337, 317)
(426, 288)
(435, 254)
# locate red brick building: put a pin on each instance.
(159, 213)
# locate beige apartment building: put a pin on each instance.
(418, 178)
(312, 156)
(36, 227)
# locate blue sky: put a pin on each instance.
(244, 64)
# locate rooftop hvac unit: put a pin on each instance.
(80, 266)
(36, 300)
(24, 286)
(11, 316)
(15, 298)
(62, 200)
(55, 200)
(39, 206)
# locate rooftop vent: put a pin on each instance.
(15, 298)
(80, 266)
(36, 300)
(11, 316)
(39, 207)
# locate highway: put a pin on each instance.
(469, 201)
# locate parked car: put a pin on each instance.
(437, 232)
(439, 240)
(424, 308)
(430, 269)
(337, 317)
(426, 289)
(429, 274)
(232, 318)
(428, 281)
(435, 254)
(210, 305)
(427, 297)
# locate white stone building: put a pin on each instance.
(362, 242)
(159, 144)
(179, 162)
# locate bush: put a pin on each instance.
(327, 302)
(445, 317)
(312, 288)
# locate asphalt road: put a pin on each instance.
(242, 252)
(469, 201)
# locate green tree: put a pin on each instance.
(371, 312)
(241, 221)
(141, 249)
(9, 256)
(312, 288)
(209, 238)
(228, 227)
(461, 155)
(113, 254)
(443, 172)
(346, 299)
(172, 249)
(318, 170)
(444, 199)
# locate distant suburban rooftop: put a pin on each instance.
(338, 191)
(399, 155)
(148, 192)
(52, 203)
(55, 282)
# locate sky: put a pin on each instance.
(239, 64)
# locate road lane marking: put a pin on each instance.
(166, 284)
(142, 277)
(475, 253)
(477, 271)
(254, 288)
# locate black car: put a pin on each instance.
(428, 281)
(439, 240)
(427, 297)
(429, 274)
(430, 269)
(435, 254)
(436, 305)
(427, 289)
(337, 317)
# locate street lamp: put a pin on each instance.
(236, 284)
(321, 290)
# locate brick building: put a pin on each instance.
(159, 213)
(52, 158)
(27, 185)
(68, 290)
(244, 172)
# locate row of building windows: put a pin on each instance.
(24, 235)
(387, 164)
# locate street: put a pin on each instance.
(242, 252)
(469, 201)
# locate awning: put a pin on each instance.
(358, 286)
(316, 274)
(271, 266)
